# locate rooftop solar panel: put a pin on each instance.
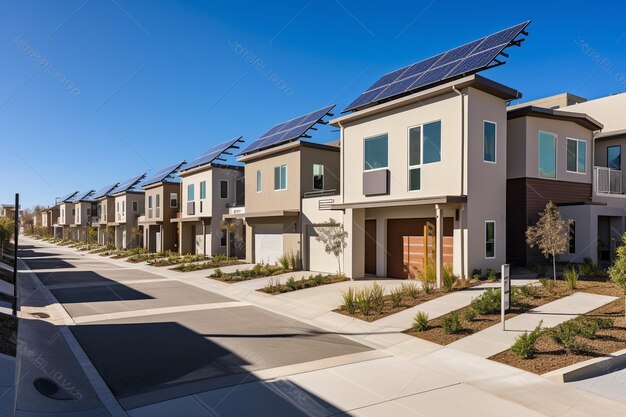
(214, 153)
(105, 191)
(288, 131)
(461, 61)
(69, 197)
(128, 185)
(163, 175)
(86, 196)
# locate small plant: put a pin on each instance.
(448, 278)
(451, 323)
(539, 270)
(283, 261)
(588, 328)
(217, 273)
(570, 274)
(396, 295)
(548, 284)
(292, 284)
(428, 275)
(363, 300)
(377, 296)
(524, 345)
(409, 289)
(588, 268)
(420, 321)
(603, 322)
(272, 286)
(317, 279)
(566, 336)
(469, 315)
(477, 274)
(488, 303)
(219, 258)
(492, 275)
(526, 291)
(349, 300)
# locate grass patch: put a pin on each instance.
(274, 287)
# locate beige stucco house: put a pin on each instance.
(128, 206)
(66, 212)
(105, 214)
(84, 207)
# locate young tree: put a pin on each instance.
(332, 235)
(92, 235)
(617, 272)
(230, 229)
(6, 233)
(550, 235)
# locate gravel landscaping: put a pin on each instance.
(274, 287)
(257, 271)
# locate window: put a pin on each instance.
(173, 200)
(73, 212)
(223, 189)
(149, 201)
(572, 237)
(280, 177)
(123, 205)
(117, 207)
(318, 177)
(375, 153)
(190, 192)
(135, 206)
(158, 200)
(202, 190)
(223, 237)
(490, 239)
(614, 157)
(576, 156)
(258, 181)
(88, 212)
(489, 142)
(547, 155)
(424, 148)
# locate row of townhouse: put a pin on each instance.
(426, 166)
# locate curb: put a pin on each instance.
(590, 368)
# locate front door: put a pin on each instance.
(370, 246)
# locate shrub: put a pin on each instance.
(283, 261)
(420, 321)
(566, 336)
(217, 273)
(451, 323)
(377, 296)
(477, 274)
(292, 284)
(364, 300)
(272, 286)
(349, 300)
(396, 296)
(526, 291)
(548, 284)
(603, 322)
(219, 258)
(487, 303)
(469, 315)
(428, 274)
(410, 289)
(588, 268)
(448, 278)
(539, 270)
(571, 277)
(492, 275)
(524, 345)
(588, 328)
(317, 279)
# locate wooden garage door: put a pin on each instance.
(405, 244)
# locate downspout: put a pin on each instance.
(462, 97)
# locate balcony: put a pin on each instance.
(607, 180)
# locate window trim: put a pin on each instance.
(374, 137)
(202, 190)
(408, 150)
(149, 202)
(280, 171)
(176, 194)
(259, 181)
(193, 189)
(135, 206)
(495, 143)
(494, 239)
(556, 155)
(620, 156)
(576, 140)
(323, 178)
(227, 190)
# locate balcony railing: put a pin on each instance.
(607, 180)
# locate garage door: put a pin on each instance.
(268, 243)
(319, 260)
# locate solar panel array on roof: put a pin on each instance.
(103, 192)
(127, 185)
(164, 175)
(68, 197)
(458, 62)
(288, 131)
(86, 196)
(214, 153)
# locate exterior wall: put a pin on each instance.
(220, 205)
(553, 102)
(517, 148)
(331, 161)
(203, 207)
(66, 217)
(126, 219)
(167, 229)
(84, 212)
(312, 215)
(607, 110)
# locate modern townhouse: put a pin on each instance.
(162, 193)
(84, 207)
(7, 210)
(105, 214)
(209, 187)
(282, 169)
(49, 216)
(128, 202)
(66, 216)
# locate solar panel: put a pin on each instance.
(69, 196)
(288, 131)
(86, 196)
(213, 153)
(127, 185)
(461, 61)
(163, 175)
(105, 191)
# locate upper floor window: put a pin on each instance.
(576, 156)
(318, 176)
(489, 142)
(190, 192)
(258, 181)
(424, 148)
(173, 200)
(158, 200)
(202, 190)
(614, 157)
(73, 211)
(432, 142)
(123, 206)
(490, 239)
(547, 155)
(135, 206)
(375, 153)
(149, 201)
(223, 189)
(280, 177)
(88, 212)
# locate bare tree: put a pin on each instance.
(332, 235)
(550, 235)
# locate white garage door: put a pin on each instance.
(319, 260)
(268, 243)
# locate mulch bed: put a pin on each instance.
(231, 278)
(542, 296)
(550, 356)
(190, 267)
(8, 332)
(302, 284)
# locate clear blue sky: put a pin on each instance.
(92, 92)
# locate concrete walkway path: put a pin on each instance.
(494, 340)
(7, 385)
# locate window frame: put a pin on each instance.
(494, 239)
(495, 142)
(421, 163)
(157, 201)
(135, 206)
(202, 190)
(377, 136)
(556, 155)
(259, 181)
(620, 157)
(567, 139)
(323, 177)
(227, 189)
(174, 199)
(191, 187)
(149, 202)
(280, 170)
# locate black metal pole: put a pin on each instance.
(16, 230)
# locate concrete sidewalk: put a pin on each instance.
(494, 340)
(7, 385)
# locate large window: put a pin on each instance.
(490, 239)
(375, 153)
(318, 177)
(202, 190)
(280, 177)
(190, 192)
(223, 189)
(547, 155)
(576, 156)
(424, 148)
(489, 142)
(258, 181)
(614, 157)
